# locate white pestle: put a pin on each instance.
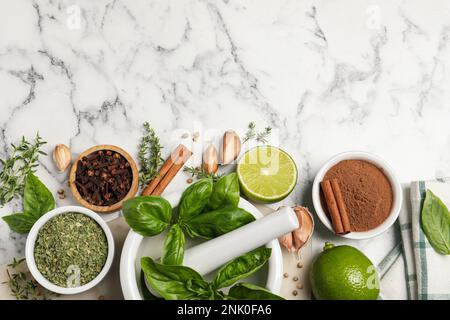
(210, 255)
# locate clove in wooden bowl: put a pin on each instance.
(118, 205)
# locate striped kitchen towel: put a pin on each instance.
(427, 271)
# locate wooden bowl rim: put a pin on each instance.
(117, 206)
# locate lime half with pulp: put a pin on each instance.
(266, 174)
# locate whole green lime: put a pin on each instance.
(343, 273)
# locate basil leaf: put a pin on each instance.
(173, 248)
(241, 267)
(225, 192)
(195, 198)
(147, 215)
(147, 295)
(436, 223)
(200, 287)
(37, 199)
(20, 222)
(215, 223)
(247, 291)
(171, 281)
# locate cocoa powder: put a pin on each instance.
(366, 190)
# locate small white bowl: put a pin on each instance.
(369, 157)
(31, 240)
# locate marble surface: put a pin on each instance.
(327, 76)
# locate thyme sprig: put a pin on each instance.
(251, 132)
(149, 155)
(261, 136)
(22, 285)
(264, 135)
(22, 160)
(200, 173)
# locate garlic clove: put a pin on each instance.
(62, 157)
(231, 147)
(210, 159)
(287, 241)
(303, 233)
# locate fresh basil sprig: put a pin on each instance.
(183, 283)
(436, 223)
(151, 215)
(37, 200)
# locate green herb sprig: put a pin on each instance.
(149, 155)
(264, 135)
(23, 160)
(251, 132)
(261, 136)
(201, 174)
(22, 284)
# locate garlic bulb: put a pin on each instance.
(62, 157)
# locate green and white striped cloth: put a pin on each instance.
(427, 272)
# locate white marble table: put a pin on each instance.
(328, 76)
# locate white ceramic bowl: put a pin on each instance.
(396, 189)
(31, 240)
(136, 246)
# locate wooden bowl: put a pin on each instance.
(117, 206)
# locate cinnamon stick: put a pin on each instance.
(168, 171)
(332, 206)
(184, 156)
(341, 205)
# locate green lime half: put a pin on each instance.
(267, 174)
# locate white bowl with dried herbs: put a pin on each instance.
(69, 250)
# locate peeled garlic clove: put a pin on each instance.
(231, 147)
(62, 157)
(210, 159)
(287, 242)
(303, 233)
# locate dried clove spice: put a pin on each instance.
(103, 178)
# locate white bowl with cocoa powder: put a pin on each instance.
(322, 210)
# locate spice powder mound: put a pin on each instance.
(68, 243)
(103, 178)
(366, 191)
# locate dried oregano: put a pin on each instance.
(70, 250)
